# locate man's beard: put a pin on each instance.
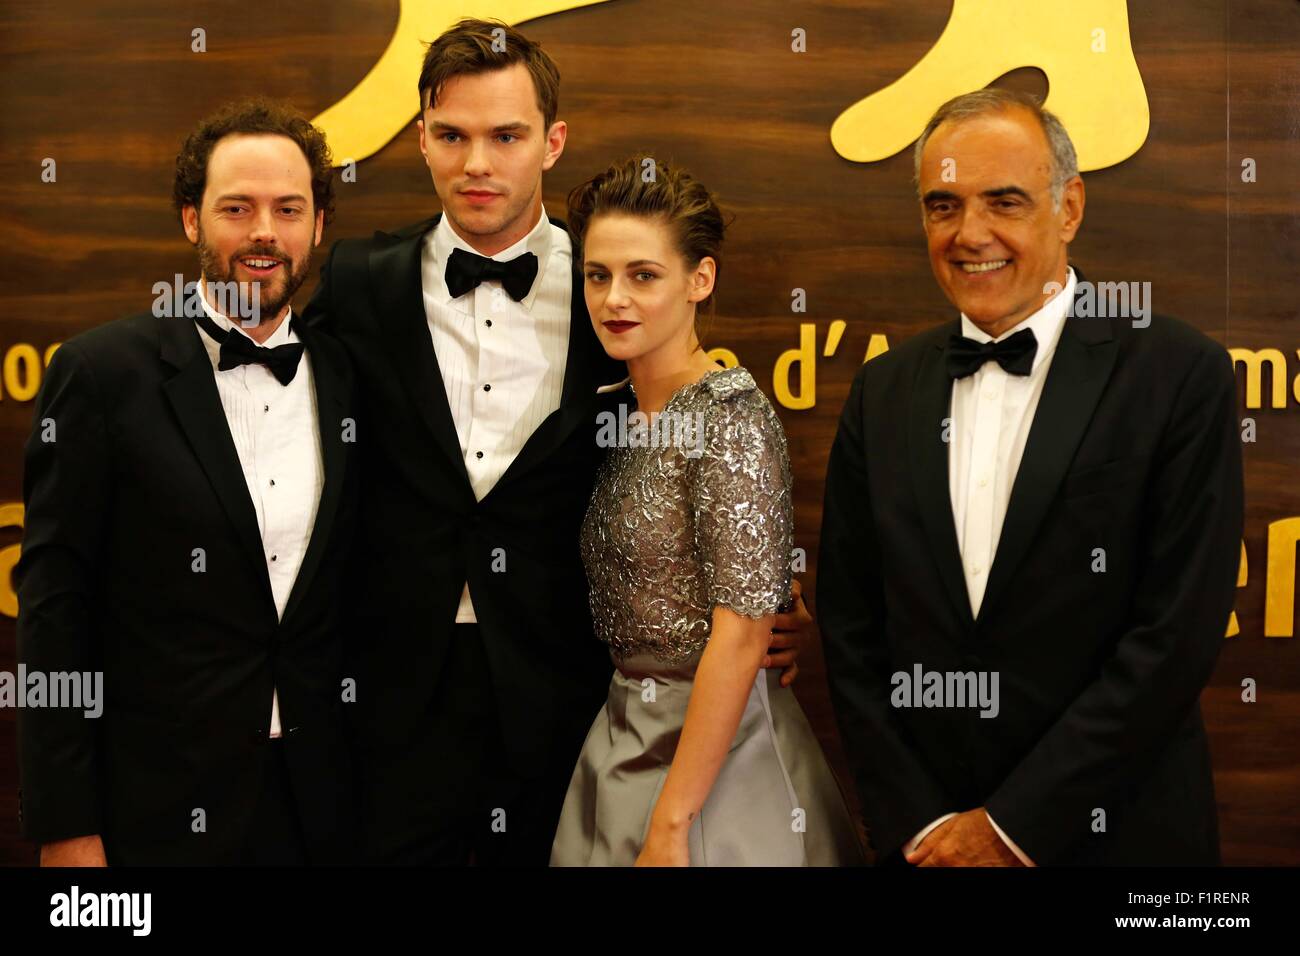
(273, 296)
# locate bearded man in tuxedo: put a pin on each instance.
(190, 502)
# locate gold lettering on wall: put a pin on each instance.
(1233, 627)
(1279, 591)
(21, 370)
(1254, 360)
(11, 516)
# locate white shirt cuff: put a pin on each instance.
(1009, 842)
(913, 843)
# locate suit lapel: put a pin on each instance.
(395, 276)
(330, 411)
(928, 459)
(585, 367)
(193, 394)
(1080, 369)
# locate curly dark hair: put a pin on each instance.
(258, 115)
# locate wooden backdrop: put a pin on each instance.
(109, 90)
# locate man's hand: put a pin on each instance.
(968, 839)
(789, 631)
(79, 851)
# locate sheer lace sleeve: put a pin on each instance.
(740, 499)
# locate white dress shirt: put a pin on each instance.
(277, 436)
(502, 361)
(992, 412)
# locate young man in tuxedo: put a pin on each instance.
(477, 366)
(1049, 499)
(190, 500)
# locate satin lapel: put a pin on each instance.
(330, 411)
(399, 297)
(193, 394)
(928, 458)
(1080, 369)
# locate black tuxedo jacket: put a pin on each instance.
(142, 473)
(424, 534)
(1134, 450)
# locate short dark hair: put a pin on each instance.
(253, 116)
(670, 195)
(481, 46)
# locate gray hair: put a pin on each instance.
(1065, 164)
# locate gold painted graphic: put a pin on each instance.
(362, 123)
(1083, 46)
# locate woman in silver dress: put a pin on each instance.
(699, 757)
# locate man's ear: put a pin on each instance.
(1072, 203)
(419, 125)
(190, 223)
(320, 226)
(555, 139)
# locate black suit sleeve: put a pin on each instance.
(1166, 654)
(319, 311)
(899, 795)
(67, 488)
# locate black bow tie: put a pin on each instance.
(1015, 354)
(465, 270)
(238, 349)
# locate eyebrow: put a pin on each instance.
(517, 126)
(227, 197)
(1005, 191)
(936, 195)
(639, 262)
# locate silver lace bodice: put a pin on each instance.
(692, 512)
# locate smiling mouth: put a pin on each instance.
(256, 264)
(979, 268)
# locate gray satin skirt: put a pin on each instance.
(775, 801)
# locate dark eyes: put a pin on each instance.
(506, 138)
(287, 210)
(643, 276)
(1003, 205)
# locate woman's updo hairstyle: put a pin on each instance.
(649, 187)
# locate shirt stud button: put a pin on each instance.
(487, 388)
(488, 322)
(478, 454)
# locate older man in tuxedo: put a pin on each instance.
(190, 503)
(1040, 501)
